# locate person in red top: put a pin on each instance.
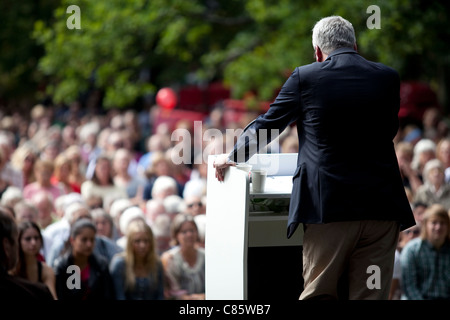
(43, 171)
(61, 174)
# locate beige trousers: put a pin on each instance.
(349, 260)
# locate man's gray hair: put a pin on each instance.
(332, 33)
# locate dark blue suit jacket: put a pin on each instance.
(346, 109)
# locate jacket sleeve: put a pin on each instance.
(261, 131)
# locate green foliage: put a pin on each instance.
(253, 45)
(18, 53)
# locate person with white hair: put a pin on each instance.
(11, 196)
(164, 186)
(334, 101)
(173, 205)
(103, 246)
(60, 229)
(44, 202)
(116, 209)
(127, 216)
(424, 150)
(435, 189)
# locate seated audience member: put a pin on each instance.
(134, 185)
(159, 216)
(11, 196)
(103, 246)
(184, 263)
(43, 171)
(424, 150)
(404, 237)
(425, 260)
(44, 203)
(13, 288)
(194, 205)
(9, 175)
(60, 177)
(59, 231)
(117, 207)
(77, 173)
(29, 266)
(405, 154)
(173, 205)
(23, 159)
(94, 202)
(435, 189)
(104, 223)
(163, 187)
(137, 272)
(418, 211)
(102, 183)
(95, 280)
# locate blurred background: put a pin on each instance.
(226, 54)
(97, 108)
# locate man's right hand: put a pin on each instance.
(221, 163)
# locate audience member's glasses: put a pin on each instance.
(190, 205)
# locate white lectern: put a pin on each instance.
(247, 250)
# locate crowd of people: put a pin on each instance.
(422, 260)
(99, 203)
(98, 200)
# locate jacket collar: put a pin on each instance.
(341, 51)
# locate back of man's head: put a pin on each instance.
(332, 33)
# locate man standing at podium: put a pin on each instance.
(347, 189)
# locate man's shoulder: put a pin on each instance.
(314, 67)
(383, 67)
(306, 68)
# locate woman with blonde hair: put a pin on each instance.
(137, 271)
(61, 172)
(23, 159)
(77, 173)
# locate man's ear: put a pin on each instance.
(318, 53)
(355, 47)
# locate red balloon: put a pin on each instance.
(166, 98)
